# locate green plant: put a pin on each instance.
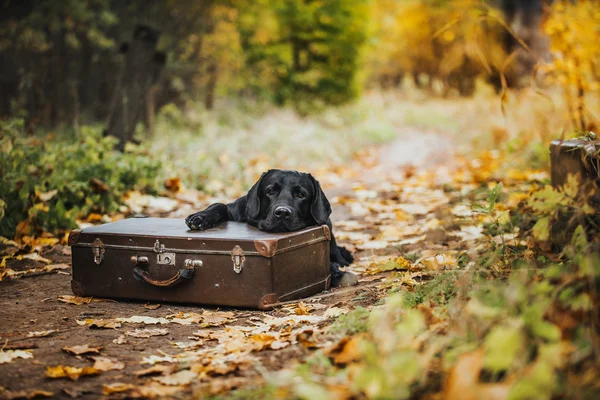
(46, 183)
(351, 323)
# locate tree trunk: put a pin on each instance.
(211, 85)
(139, 73)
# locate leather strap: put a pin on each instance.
(138, 273)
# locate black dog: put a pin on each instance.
(281, 201)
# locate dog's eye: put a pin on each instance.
(271, 192)
(300, 195)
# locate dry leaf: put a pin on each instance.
(100, 323)
(120, 340)
(154, 390)
(9, 355)
(53, 267)
(151, 306)
(24, 394)
(216, 319)
(173, 185)
(301, 309)
(157, 369)
(462, 383)
(106, 364)
(82, 349)
(146, 333)
(74, 299)
(35, 257)
(137, 319)
(39, 334)
(183, 377)
(334, 312)
(185, 318)
(116, 387)
(346, 350)
(262, 341)
(72, 373)
(307, 339)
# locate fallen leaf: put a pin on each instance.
(82, 349)
(262, 341)
(136, 319)
(334, 312)
(154, 390)
(146, 333)
(72, 373)
(158, 359)
(439, 261)
(151, 306)
(106, 364)
(345, 351)
(98, 186)
(39, 334)
(116, 387)
(301, 309)
(100, 323)
(173, 185)
(24, 394)
(216, 319)
(120, 340)
(94, 218)
(35, 257)
(74, 299)
(462, 383)
(185, 318)
(9, 355)
(398, 263)
(307, 339)
(157, 369)
(221, 386)
(53, 267)
(183, 377)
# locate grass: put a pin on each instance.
(226, 150)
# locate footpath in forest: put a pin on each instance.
(415, 214)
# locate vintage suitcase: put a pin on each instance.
(233, 264)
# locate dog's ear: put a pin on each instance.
(253, 197)
(320, 208)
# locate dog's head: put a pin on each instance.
(285, 201)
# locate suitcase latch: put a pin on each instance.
(237, 255)
(98, 251)
(158, 247)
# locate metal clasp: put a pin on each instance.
(238, 258)
(98, 251)
(158, 248)
(189, 263)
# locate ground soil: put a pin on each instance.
(30, 304)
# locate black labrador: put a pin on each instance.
(281, 201)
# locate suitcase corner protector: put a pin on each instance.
(76, 288)
(268, 301)
(327, 232)
(74, 236)
(266, 248)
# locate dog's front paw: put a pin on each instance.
(198, 221)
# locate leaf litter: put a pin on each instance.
(391, 221)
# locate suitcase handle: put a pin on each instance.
(184, 273)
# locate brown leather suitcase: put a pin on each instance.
(233, 264)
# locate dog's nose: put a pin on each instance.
(282, 212)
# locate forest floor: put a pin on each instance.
(234, 347)
(424, 222)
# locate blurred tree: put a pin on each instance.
(574, 28)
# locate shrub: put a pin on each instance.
(45, 183)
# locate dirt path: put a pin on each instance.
(382, 208)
